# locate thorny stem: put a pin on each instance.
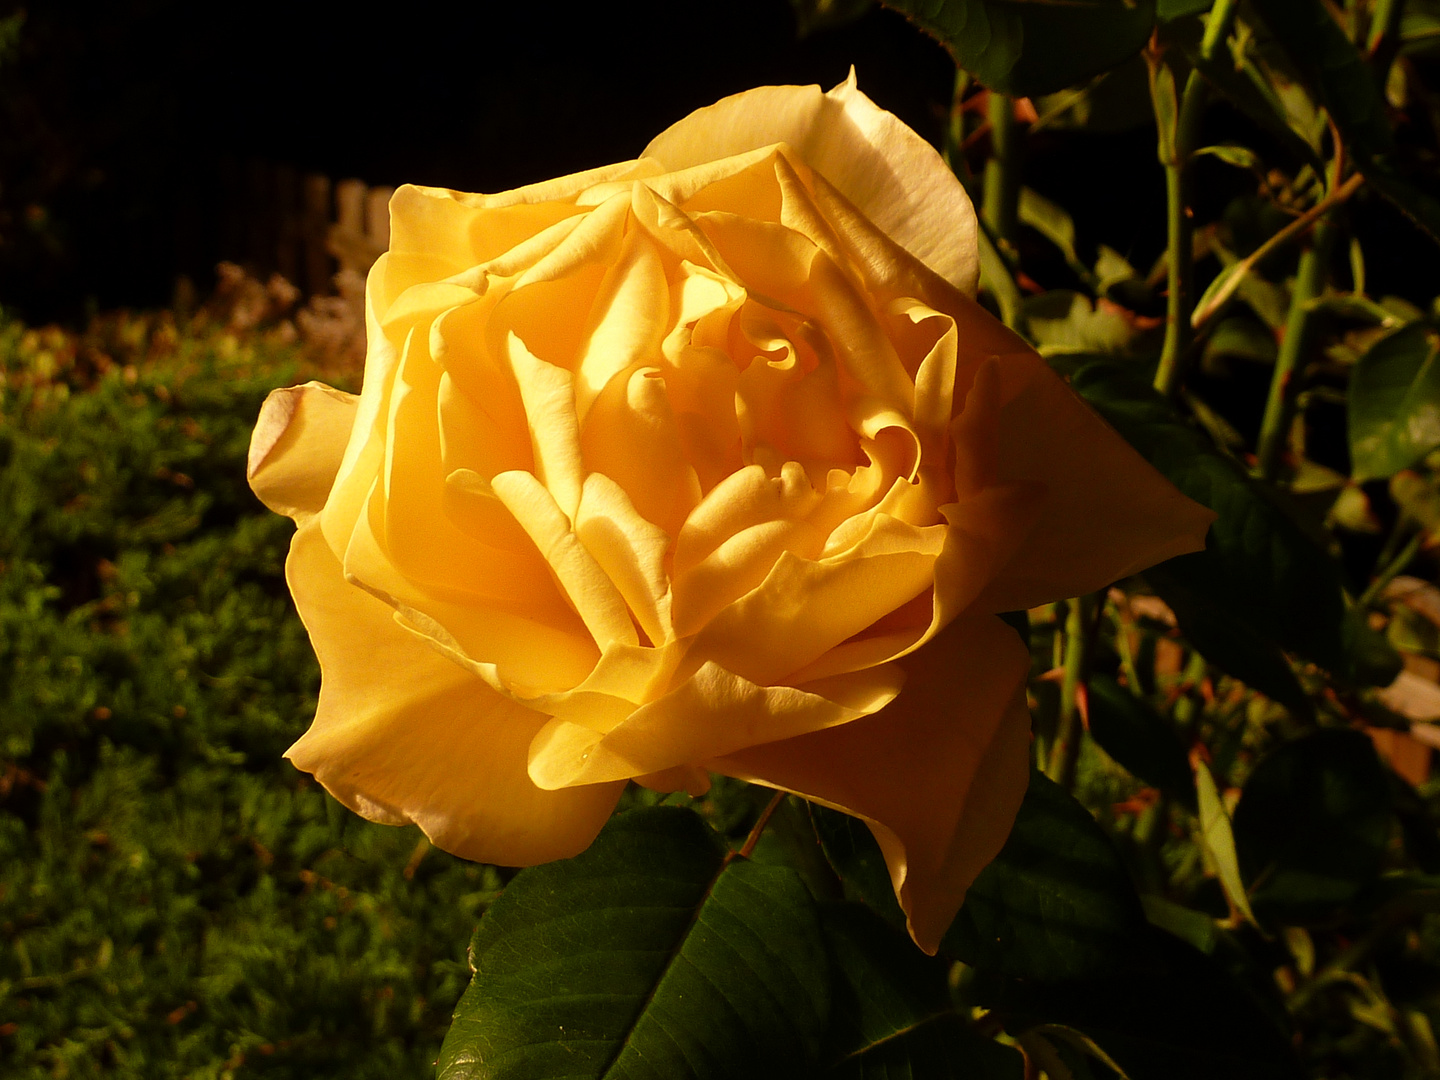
(995, 276)
(1309, 284)
(1180, 263)
(760, 823)
(1177, 147)
(1066, 748)
(1001, 206)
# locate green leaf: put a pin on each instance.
(815, 16)
(1311, 825)
(649, 955)
(1173, 1014)
(1241, 157)
(1394, 403)
(1114, 101)
(1218, 837)
(1168, 10)
(1337, 75)
(892, 1015)
(855, 856)
(1063, 321)
(1057, 902)
(1167, 110)
(1052, 222)
(1023, 49)
(1260, 105)
(1242, 337)
(1259, 569)
(1224, 636)
(1371, 660)
(1136, 736)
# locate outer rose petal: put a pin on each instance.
(313, 419)
(1106, 514)
(894, 177)
(938, 774)
(402, 734)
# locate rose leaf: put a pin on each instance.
(1173, 1014)
(1261, 581)
(1339, 78)
(1139, 739)
(1312, 824)
(1023, 49)
(892, 1014)
(1394, 403)
(650, 954)
(1057, 903)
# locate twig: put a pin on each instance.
(1238, 272)
(760, 823)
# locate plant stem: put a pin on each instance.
(760, 823)
(1217, 25)
(1309, 284)
(1002, 174)
(1066, 748)
(1236, 274)
(1180, 261)
(1176, 149)
(1392, 568)
(996, 279)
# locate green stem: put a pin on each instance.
(1392, 568)
(1384, 21)
(996, 279)
(1175, 155)
(1002, 174)
(1309, 283)
(1217, 25)
(1176, 150)
(1354, 954)
(1066, 748)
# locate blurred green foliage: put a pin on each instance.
(175, 898)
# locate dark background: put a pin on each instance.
(123, 124)
(120, 120)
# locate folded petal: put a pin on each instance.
(402, 734)
(894, 177)
(712, 713)
(938, 774)
(297, 445)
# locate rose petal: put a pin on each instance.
(893, 176)
(806, 607)
(631, 437)
(297, 446)
(1106, 513)
(404, 735)
(938, 775)
(712, 713)
(593, 595)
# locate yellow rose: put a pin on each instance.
(702, 462)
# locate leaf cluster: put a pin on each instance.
(175, 899)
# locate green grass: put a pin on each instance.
(175, 898)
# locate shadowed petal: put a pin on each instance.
(1106, 512)
(938, 774)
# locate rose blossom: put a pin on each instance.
(703, 462)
